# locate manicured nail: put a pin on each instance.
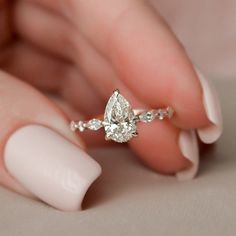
(213, 110)
(189, 148)
(50, 167)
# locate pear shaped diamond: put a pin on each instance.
(119, 119)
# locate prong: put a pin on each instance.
(107, 138)
(170, 112)
(116, 92)
(104, 123)
(135, 134)
(136, 119)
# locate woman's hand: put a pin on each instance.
(80, 51)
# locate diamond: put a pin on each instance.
(73, 125)
(147, 116)
(94, 124)
(81, 126)
(161, 113)
(119, 119)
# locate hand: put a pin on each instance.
(79, 52)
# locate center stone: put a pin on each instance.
(119, 119)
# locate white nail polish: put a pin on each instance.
(212, 107)
(189, 148)
(50, 167)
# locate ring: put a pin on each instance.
(120, 120)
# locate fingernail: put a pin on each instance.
(189, 148)
(50, 167)
(213, 110)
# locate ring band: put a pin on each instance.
(120, 119)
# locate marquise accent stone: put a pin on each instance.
(147, 116)
(94, 124)
(119, 119)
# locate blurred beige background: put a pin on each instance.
(207, 28)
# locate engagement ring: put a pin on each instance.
(120, 120)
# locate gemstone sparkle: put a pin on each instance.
(119, 119)
(147, 116)
(94, 124)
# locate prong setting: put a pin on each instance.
(107, 138)
(116, 92)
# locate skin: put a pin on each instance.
(79, 52)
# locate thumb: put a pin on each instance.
(40, 157)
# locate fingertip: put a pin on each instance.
(211, 132)
(157, 146)
(188, 145)
(50, 167)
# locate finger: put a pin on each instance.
(150, 61)
(135, 61)
(5, 24)
(167, 149)
(142, 47)
(39, 29)
(164, 69)
(101, 77)
(180, 162)
(98, 139)
(51, 75)
(40, 155)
